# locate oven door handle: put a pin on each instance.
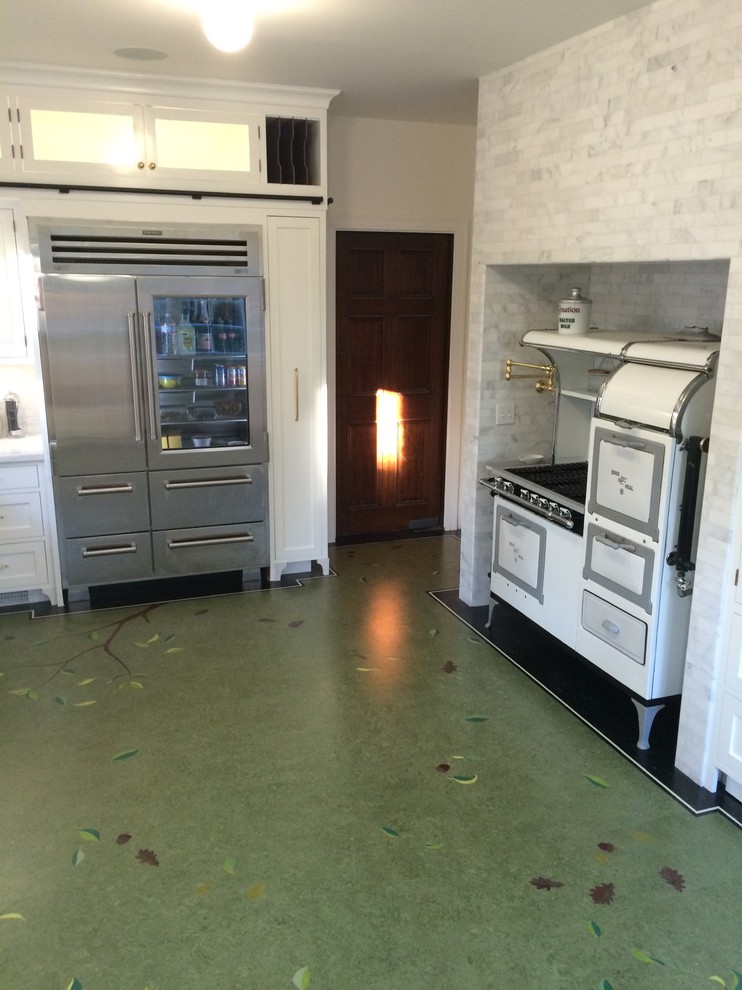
(516, 521)
(625, 442)
(615, 544)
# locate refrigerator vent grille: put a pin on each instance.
(144, 252)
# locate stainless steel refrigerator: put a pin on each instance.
(153, 359)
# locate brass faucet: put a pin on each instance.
(544, 369)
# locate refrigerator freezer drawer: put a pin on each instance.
(210, 549)
(614, 626)
(108, 559)
(203, 496)
(101, 504)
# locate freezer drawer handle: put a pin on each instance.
(209, 483)
(104, 489)
(109, 551)
(625, 442)
(210, 541)
(614, 544)
(610, 627)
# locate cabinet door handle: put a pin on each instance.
(104, 489)
(296, 395)
(152, 166)
(140, 164)
(209, 482)
(109, 551)
(209, 541)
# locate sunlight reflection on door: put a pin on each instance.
(389, 429)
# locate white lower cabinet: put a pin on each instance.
(25, 556)
(298, 394)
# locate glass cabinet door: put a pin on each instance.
(201, 368)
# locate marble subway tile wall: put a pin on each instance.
(616, 154)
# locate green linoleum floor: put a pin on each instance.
(335, 786)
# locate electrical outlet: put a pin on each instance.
(504, 413)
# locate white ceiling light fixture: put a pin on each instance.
(228, 24)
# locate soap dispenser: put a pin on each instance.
(12, 403)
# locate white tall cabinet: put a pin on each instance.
(298, 393)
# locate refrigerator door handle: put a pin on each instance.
(131, 317)
(151, 400)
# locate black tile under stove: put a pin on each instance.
(593, 697)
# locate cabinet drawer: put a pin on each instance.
(96, 505)
(20, 516)
(23, 566)
(734, 655)
(207, 550)
(19, 476)
(108, 559)
(204, 496)
(623, 631)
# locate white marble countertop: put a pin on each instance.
(22, 448)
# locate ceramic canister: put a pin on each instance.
(574, 313)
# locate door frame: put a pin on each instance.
(456, 356)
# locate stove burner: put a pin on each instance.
(568, 480)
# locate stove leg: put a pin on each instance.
(646, 715)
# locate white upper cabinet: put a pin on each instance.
(141, 143)
(237, 139)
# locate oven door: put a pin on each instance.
(520, 550)
(629, 472)
(622, 564)
(536, 569)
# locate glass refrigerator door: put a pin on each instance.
(207, 369)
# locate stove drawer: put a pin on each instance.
(614, 626)
(621, 564)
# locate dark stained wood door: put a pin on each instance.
(393, 325)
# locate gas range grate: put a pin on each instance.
(568, 480)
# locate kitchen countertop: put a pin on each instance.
(22, 448)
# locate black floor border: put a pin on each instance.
(659, 769)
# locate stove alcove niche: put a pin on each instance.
(639, 299)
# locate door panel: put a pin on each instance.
(91, 374)
(393, 322)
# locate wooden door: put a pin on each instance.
(393, 321)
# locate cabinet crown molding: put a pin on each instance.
(38, 77)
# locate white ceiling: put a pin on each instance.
(398, 59)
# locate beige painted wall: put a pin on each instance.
(397, 175)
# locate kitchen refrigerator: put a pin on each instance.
(153, 360)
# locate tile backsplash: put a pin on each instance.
(22, 379)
